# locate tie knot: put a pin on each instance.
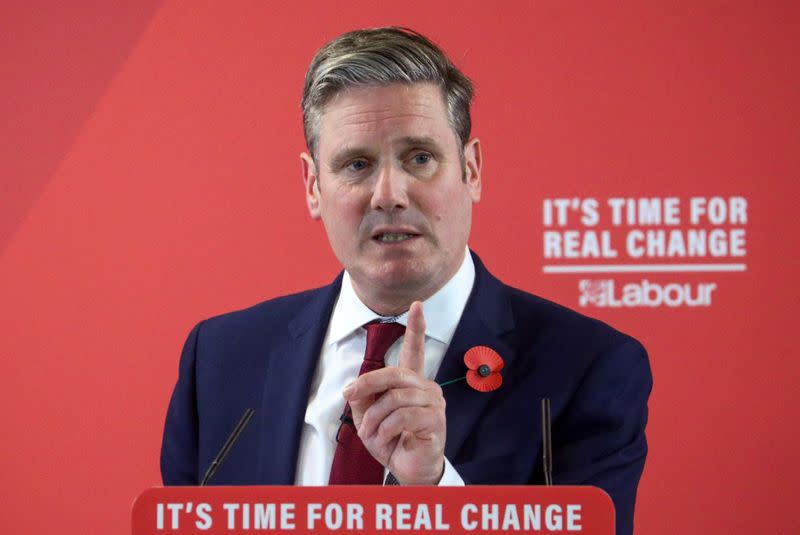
(380, 337)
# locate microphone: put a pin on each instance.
(345, 419)
(226, 448)
(547, 443)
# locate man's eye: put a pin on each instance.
(357, 165)
(421, 158)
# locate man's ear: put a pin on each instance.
(472, 168)
(311, 181)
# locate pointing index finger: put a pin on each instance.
(412, 353)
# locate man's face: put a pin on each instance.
(393, 191)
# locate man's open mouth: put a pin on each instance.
(392, 237)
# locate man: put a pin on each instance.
(392, 173)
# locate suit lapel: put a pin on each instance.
(286, 389)
(486, 318)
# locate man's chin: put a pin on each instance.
(395, 281)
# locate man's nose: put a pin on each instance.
(390, 193)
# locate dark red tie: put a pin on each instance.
(352, 463)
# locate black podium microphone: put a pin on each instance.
(226, 448)
(547, 443)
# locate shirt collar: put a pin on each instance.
(442, 310)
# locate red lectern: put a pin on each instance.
(370, 510)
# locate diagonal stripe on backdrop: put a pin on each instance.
(56, 62)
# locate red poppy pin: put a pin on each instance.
(483, 369)
(484, 365)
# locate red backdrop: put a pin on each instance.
(149, 178)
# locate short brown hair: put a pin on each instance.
(380, 56)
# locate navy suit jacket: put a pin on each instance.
(264, 357)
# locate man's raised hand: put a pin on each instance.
(399, 414)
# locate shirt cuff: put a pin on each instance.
(450, 477)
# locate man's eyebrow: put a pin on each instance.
(345, 154)
(423, 141)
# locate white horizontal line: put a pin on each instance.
(644, 268)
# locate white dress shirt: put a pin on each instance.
(341, 357)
